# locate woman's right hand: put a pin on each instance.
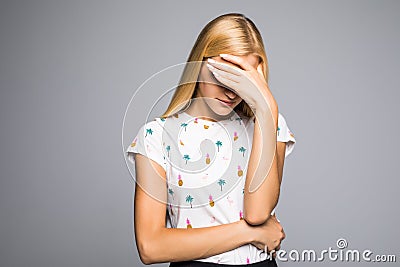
(269, 235)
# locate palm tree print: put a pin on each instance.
(171, 192)
(184, 125)
(239, 119)
(218, 143)
(189, 199)
(221, 182)
(149, 131)
(278, 130)
(186, 157)
(242, 149)
(168, 148)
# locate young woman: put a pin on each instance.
(208, 171)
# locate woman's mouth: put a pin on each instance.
(227, 103)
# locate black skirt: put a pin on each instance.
(193, 263)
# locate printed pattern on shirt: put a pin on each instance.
(206, 165)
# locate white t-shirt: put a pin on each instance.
(206, 164)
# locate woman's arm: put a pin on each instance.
(157, 244)
(280, 153)
(262, 184)
(259, 204)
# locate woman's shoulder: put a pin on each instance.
(154, 123)
(159, 121)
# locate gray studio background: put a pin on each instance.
(68, 70)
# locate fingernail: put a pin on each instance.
(223, 55)
(210, 60)
(210, 67)
(215, 74)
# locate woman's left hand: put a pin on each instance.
(247, 82)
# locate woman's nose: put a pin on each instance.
(230, 94)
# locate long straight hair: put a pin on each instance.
(231, 33)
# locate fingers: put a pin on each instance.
(260, 70)
(237, 60)
(225, 67)
(223, 73)
(229, 83)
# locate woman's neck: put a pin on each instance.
(199, 108)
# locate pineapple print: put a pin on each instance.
(240, 171)
(188, 225)
(176, 115)
(207, 159)
(248, 260)
(181, 143)
(134, 143)
(211, 201)
(180, 182)
(235, 136)
(195, 120)
(206, 126)
(241, 215)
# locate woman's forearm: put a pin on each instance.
(181, 244)
(262, 185)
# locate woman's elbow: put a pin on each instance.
(257, 218)
(145, 253)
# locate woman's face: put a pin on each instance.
(220, 99)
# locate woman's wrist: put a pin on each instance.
(266, 106)
(265, 114)
(248, 231)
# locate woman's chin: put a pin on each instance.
(222, 111)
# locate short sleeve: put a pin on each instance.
(148, 142)
(285, 135)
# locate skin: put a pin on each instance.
(210, 90)
(154, 240)
(263, 180)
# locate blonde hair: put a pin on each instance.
(231, 33)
